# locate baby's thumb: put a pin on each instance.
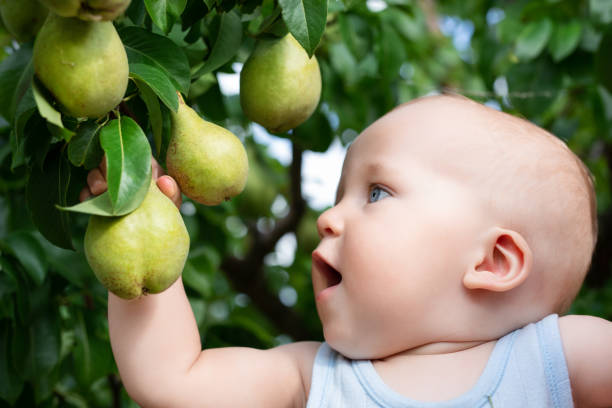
(168, 186)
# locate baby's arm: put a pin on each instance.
(156, 345)
(587, 342)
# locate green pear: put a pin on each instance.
(89, 10)
(141, 252)
(280, 86)
(22, 18)
(208, 161)
(64, 8)
(83, 64)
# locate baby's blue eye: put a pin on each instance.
(377, 193)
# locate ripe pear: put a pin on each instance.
(22, 18)
(208, 161)
(280, 86)
(82, 63)
(90, 10)
(141, 252)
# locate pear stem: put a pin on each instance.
(180, 98)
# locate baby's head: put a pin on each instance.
(453, 222)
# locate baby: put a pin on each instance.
(458, 236)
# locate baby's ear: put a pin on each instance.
(505, 262)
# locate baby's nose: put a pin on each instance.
(329, 223)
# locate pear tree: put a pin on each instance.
(234, 98)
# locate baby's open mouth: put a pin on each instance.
(331, 277)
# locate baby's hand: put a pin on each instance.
(96, 182)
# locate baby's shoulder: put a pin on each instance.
(303, 354)
(586, 345)
(577, 329)
(584, 337)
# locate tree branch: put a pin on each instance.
(247, 275)
(431, 16)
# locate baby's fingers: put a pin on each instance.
(96, 181)
(168, 186)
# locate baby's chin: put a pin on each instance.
(354, 346)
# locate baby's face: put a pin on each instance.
(396, 243)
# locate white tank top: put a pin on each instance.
(526, 369)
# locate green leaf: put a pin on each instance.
(601, 10)
(155, 114)
(315, 134)
(37, 138)
(23, 111)
(84, 148)
(196, 281)
(30, 253)
(23, 90)
(71, 265)
(226, 42)
(565, 39)
(47, 187)
(391, 52)
(11, 70)
(159, 10)
(533, 86)
(8, 284)
(343, 62)
(23, 308)
(38, 345)
(82, 352)
(210, 3)
(99, 205)
(46, 341)
(60, 133)
(45, 109)
(10, 383)
(176, 7)
(532, 39)
(306, 21)
(158, 81)
(603, 60)
(128, 163)
(92, 356)
(147, 48)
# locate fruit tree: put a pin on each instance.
(135, 80)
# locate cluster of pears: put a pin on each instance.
(80, 60)
(145, 251)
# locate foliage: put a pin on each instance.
(546, 60)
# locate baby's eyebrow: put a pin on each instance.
(374, 168)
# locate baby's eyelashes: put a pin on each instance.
(377, 193)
